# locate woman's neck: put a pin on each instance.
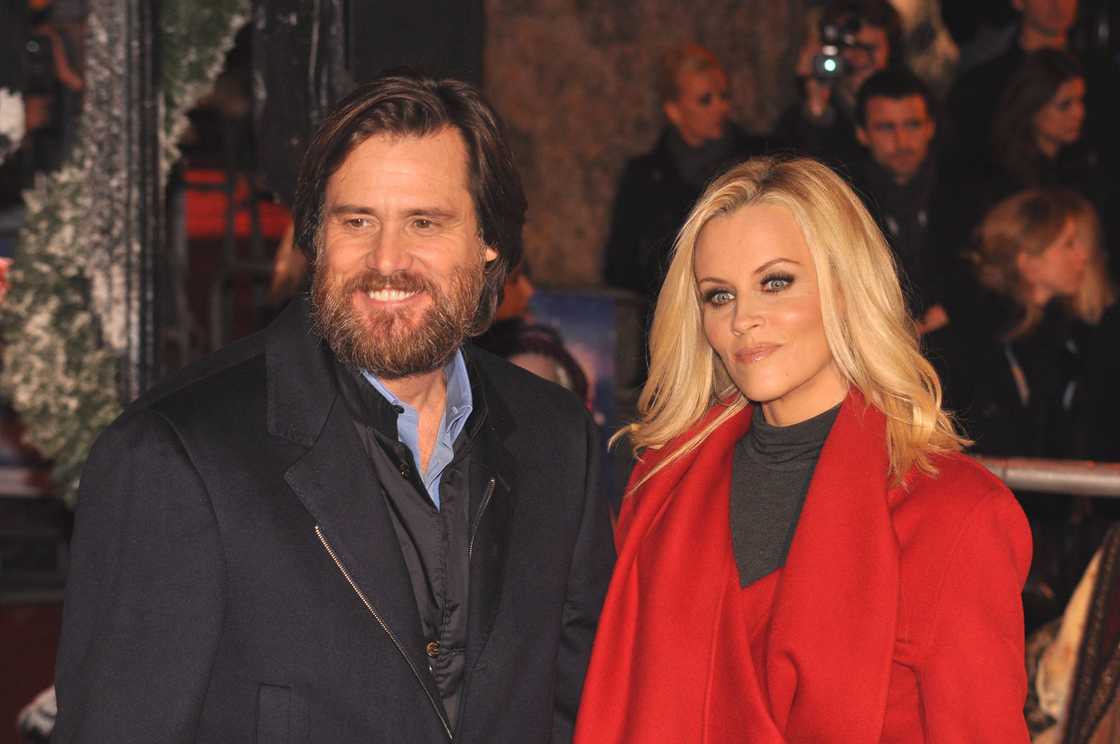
(1048, 146)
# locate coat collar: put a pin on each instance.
(337, 485)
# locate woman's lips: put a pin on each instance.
(756, 353)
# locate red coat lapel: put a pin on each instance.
(836, 608)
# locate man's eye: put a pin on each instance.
(705, 100)
(357, 222)
(423, 223)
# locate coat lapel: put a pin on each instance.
(338, 485)
(491, 513)
(840, 581)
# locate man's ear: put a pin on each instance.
(489, 254)
(1025, 265)
(861, 135)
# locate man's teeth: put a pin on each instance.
(389, 295)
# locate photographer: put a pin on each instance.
(854, 40)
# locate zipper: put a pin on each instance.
(478, 517)
(437, 706)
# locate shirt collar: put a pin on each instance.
(459, 403)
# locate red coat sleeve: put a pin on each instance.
(972, 679)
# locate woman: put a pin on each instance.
(1027, 368)
(1038, 256)
(870, 591)
(1037, 141)
(1036, 134)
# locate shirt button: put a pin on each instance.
(432, 649)
(404, 469)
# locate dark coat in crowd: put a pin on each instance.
(655, 194)
(832, 140)
(236, 575)
(1103, 384)
(973, 101)
(1019, 397)
(903, 214)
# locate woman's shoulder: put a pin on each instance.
(963, 492)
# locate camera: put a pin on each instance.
(836, 36)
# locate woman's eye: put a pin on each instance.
(718, 297)
(776, 283)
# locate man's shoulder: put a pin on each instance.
(521, 392)
(983, 79)
(228, 371)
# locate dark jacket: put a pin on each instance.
(651, 204)
(832, 140)
(236, 576)
(1022, 397)
(903, 214)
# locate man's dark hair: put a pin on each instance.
(877, 13)
(411, 105)
(895, 83)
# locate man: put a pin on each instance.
(658, 189)
(822, 123)
(897, 176)
(352, 527)
(972, 103)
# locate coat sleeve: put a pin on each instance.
(144, 596)
(973, 680)
(592, 561)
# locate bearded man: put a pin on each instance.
(352, 527)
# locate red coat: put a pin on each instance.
(897, 616)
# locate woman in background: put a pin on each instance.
(1029, 371)
(804, 555)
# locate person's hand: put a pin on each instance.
(934, 318)
(36, 112)
(817, 98)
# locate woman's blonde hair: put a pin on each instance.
(1028, 223)
(872, 339)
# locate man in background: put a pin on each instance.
(867, 37)
(897, 176)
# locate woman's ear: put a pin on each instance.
(1025, 264)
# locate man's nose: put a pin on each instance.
(388, 253)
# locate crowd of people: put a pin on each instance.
(995, 205)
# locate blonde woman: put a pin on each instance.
(804, 555)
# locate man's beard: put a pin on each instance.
(386, 343)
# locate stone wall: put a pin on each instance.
(574, 81)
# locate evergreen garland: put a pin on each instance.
(58, 374)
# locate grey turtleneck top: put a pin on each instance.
(770, 476)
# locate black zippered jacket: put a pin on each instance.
(236, 576)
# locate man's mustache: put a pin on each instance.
(373, 280)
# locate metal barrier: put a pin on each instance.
(1074, 477)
